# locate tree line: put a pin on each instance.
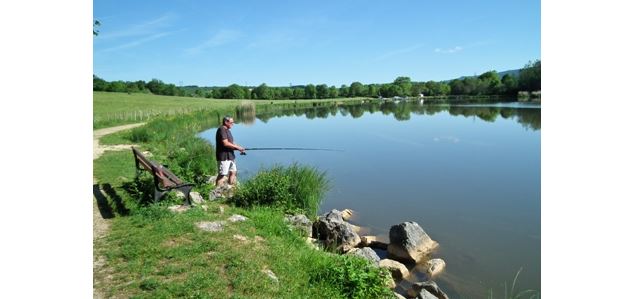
(488, 83)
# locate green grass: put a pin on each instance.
(151, 252)
(293, 188)
(115, 108)
(513, 293)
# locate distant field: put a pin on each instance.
(112, 108)
(115, 108)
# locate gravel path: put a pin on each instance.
(101, 225)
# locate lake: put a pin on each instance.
(468, 174)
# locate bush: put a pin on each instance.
(353, 276)
(291, 188)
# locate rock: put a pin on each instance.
(366, 253)
(426, 289)
(240, 238)
(398, 296)
(204, 207)
(435, 266)
(371, 241)
(215, 226)
(221, 209)
(347, 214)
(300, 222)
(397, 269)
(271, 275)
(408, 242)
(258, 239)
(336, 233)
(355, 228)
(196, 198)
(237, 218)
(179, 208)
(215, 194)
(366, 240)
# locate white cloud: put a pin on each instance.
(399, 52)
(146, 28)
(451, 139)
(220, 38)
(137, 42)
(277, 40)
(449, 51)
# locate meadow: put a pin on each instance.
(151, 252)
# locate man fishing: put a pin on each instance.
(225, 147)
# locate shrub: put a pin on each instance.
(291, 188)
(354, 277)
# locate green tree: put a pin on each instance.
(510, 84)
(405, 84)
(99, 84)
(263, 92)
(444, 89)
(234, 91)
(372, 90)
(333, 92)
(356, 90)
(322, 91)
(286, 93)
(310, 92)
(344, 91)
(96, 24)
(457, 87)
(529, 78)
(491, 82)
(155, 86)
(117, 86)
(298, 93)
(390, 90)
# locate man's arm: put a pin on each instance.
(228, 144)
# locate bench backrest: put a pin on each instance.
(161, 174)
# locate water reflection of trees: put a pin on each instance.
(401, 111)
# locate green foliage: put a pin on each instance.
(322, 91)
(310, 91)
(355, 277)
(291, 188)
(529, 78)
(233, 91)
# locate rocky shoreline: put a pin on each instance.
(409, 245)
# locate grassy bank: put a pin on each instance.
(151, 252)
(115, 108)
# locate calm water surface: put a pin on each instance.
(468, 174)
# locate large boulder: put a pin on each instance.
(435, 266)
(408, 242)
(300, 222)
(366, 253)
(335, 232)
(396, 269)
(426, 289)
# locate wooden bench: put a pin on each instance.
(164, 179)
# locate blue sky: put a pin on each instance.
(217, 43)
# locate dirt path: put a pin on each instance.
(101, 225)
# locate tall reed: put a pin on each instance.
(296, 187)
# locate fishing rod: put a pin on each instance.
(288, 149)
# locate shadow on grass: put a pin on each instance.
(106, 197)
